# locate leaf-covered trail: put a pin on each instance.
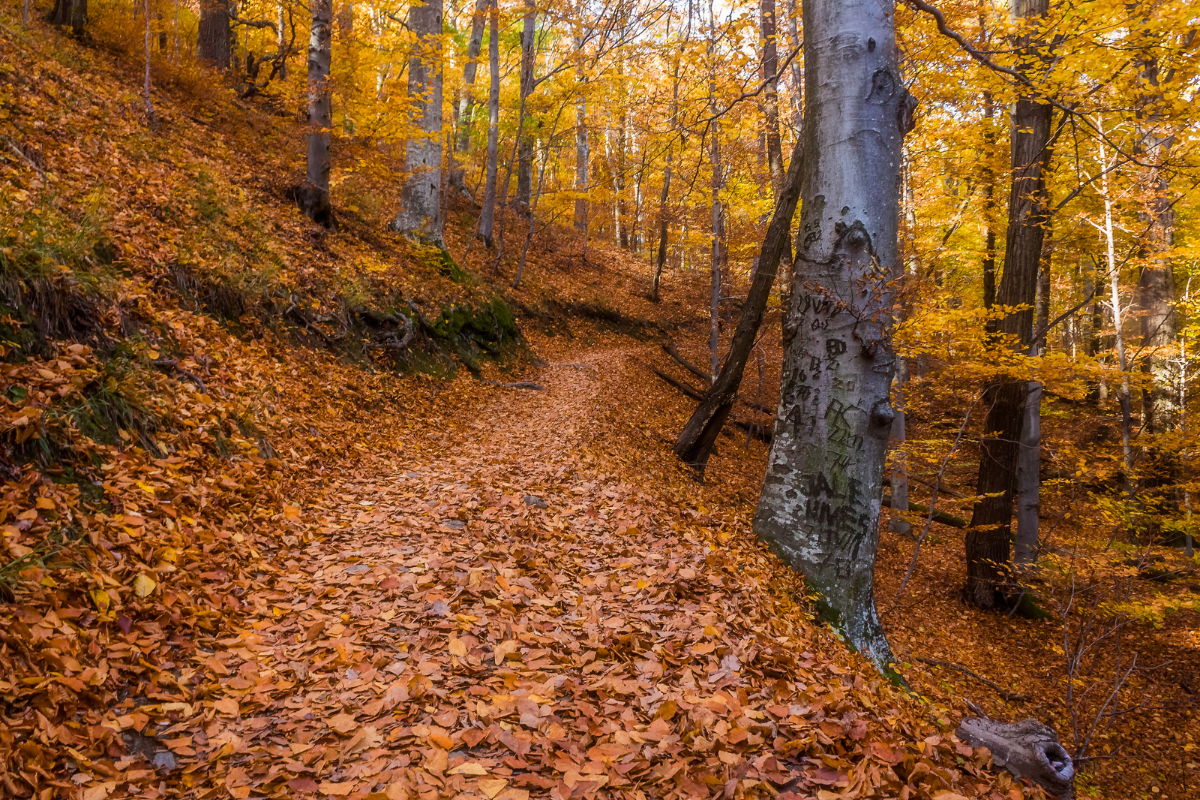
(445, 635)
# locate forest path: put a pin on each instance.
(446, 636)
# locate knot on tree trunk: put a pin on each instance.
(1027, 749)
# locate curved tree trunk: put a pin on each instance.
(699, 435)
(988, 541)
(420, 214)
(314, 197)
(582, 157)
(820, 503)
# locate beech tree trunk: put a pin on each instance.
(989, 204)
(214, 37)
(699, 435)
(525, 148)
(820, 502)
(988, 541)
(464, 109)
(487, 215)
(420, 215)
(314, 196)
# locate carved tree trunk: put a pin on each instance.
(820, 503)
(699, 435)
(487, 215)
(420, 214)
(314, 198)
(988, 541)
(1027, 749)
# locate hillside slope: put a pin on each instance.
(258, 543)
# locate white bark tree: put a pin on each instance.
(420, 215)
(820, 503)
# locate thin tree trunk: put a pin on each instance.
(797, 71)
(315, 193)
(146, 88)
(525, 146)
(581, 145)
(819, 507)
(899, 433)
(487, 215)
(1114, 285)
(699, 435)
(464, 109)
(420, 214)
(989, 203)
(536, 196)
(1029, 462)
(1156, 293)
(770, 66)
(988, 541)
(714, 308)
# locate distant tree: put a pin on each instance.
(70, 12)
(420, 214)
(214, 37)
(314, 197)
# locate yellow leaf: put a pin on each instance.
(143, 585)
(291, 512)
(469, 768)
(101, 599)
(492, 786)
(45, 502)
(337, 789)
(227, 706)
(457, 648)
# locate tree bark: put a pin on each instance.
(214, 37)
(820, 503)
(1155, 297)
(314, 197)
(525, 148)
(487, 215)
(988, 541)
(1027, 749)
(699, 435)
(770, 67)
(582, 157)
(1029, 462)
(989, 203)
(420, 215)
(464, 108)
(71, 12)
(714, 308)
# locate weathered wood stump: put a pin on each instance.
(1027, 749)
